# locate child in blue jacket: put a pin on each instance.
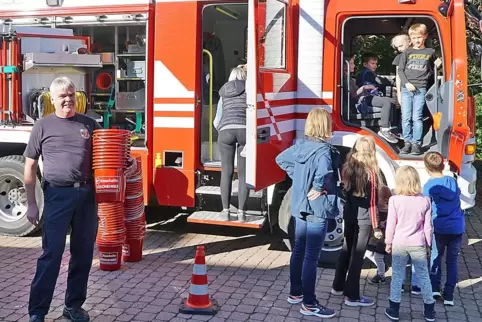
(314, 201)
(448, 225)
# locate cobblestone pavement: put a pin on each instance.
(248, 276)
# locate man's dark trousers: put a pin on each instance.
(65, 207)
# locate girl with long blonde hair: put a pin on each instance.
(361, 181)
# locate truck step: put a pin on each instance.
(254, 219)
(216, 190)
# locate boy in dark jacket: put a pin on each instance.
(313, 202)
(448, 225)
(376, 98)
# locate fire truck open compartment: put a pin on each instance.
(224, 35)
(112, 90)
(106, 59)
(383, 29)
(118, 89)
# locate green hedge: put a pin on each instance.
(478, 131)
(475, 77)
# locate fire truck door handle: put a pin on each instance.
(264, 135)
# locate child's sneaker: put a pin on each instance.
(388, 136)
(377, 279)
(416, 149)
(292, 299)
(416, 290)
(363, 301)
(407, 148)
(393, 311)
(317, 310)
(448, 300)
(429, 312)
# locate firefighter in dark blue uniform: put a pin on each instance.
(64, 141)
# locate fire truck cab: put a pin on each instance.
(156, 68)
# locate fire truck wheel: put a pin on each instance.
(13, 198)
(334, 236)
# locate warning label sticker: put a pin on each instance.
(108, 258)
(107, 184)
(126, 250)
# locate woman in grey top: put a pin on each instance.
(230, 122)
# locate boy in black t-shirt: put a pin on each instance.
(415, 68)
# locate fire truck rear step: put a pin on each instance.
(254, 219)
(212, 164)
(216, 190)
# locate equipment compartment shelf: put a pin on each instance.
(132, 55)
(61, 60)
(131, 78)
(120, 111)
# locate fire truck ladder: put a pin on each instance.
(9, 78)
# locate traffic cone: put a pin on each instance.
(198, 301)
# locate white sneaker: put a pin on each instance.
(449, 303)
(336, 293)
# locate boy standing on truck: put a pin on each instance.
(415, 69)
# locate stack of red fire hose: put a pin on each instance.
(112, 168)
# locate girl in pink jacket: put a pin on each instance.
(409, 235)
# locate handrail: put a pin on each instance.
(436, 88)
(348, 75)
(205, 51)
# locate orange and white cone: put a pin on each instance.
(198, 301)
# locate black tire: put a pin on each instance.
(329, 254)
(11, 174)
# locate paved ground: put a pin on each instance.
(248, 276)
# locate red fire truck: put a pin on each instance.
(154, 67)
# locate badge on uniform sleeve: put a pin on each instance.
(84, 133)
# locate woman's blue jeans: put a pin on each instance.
(309, 238)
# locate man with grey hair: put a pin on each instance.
(64, 141)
